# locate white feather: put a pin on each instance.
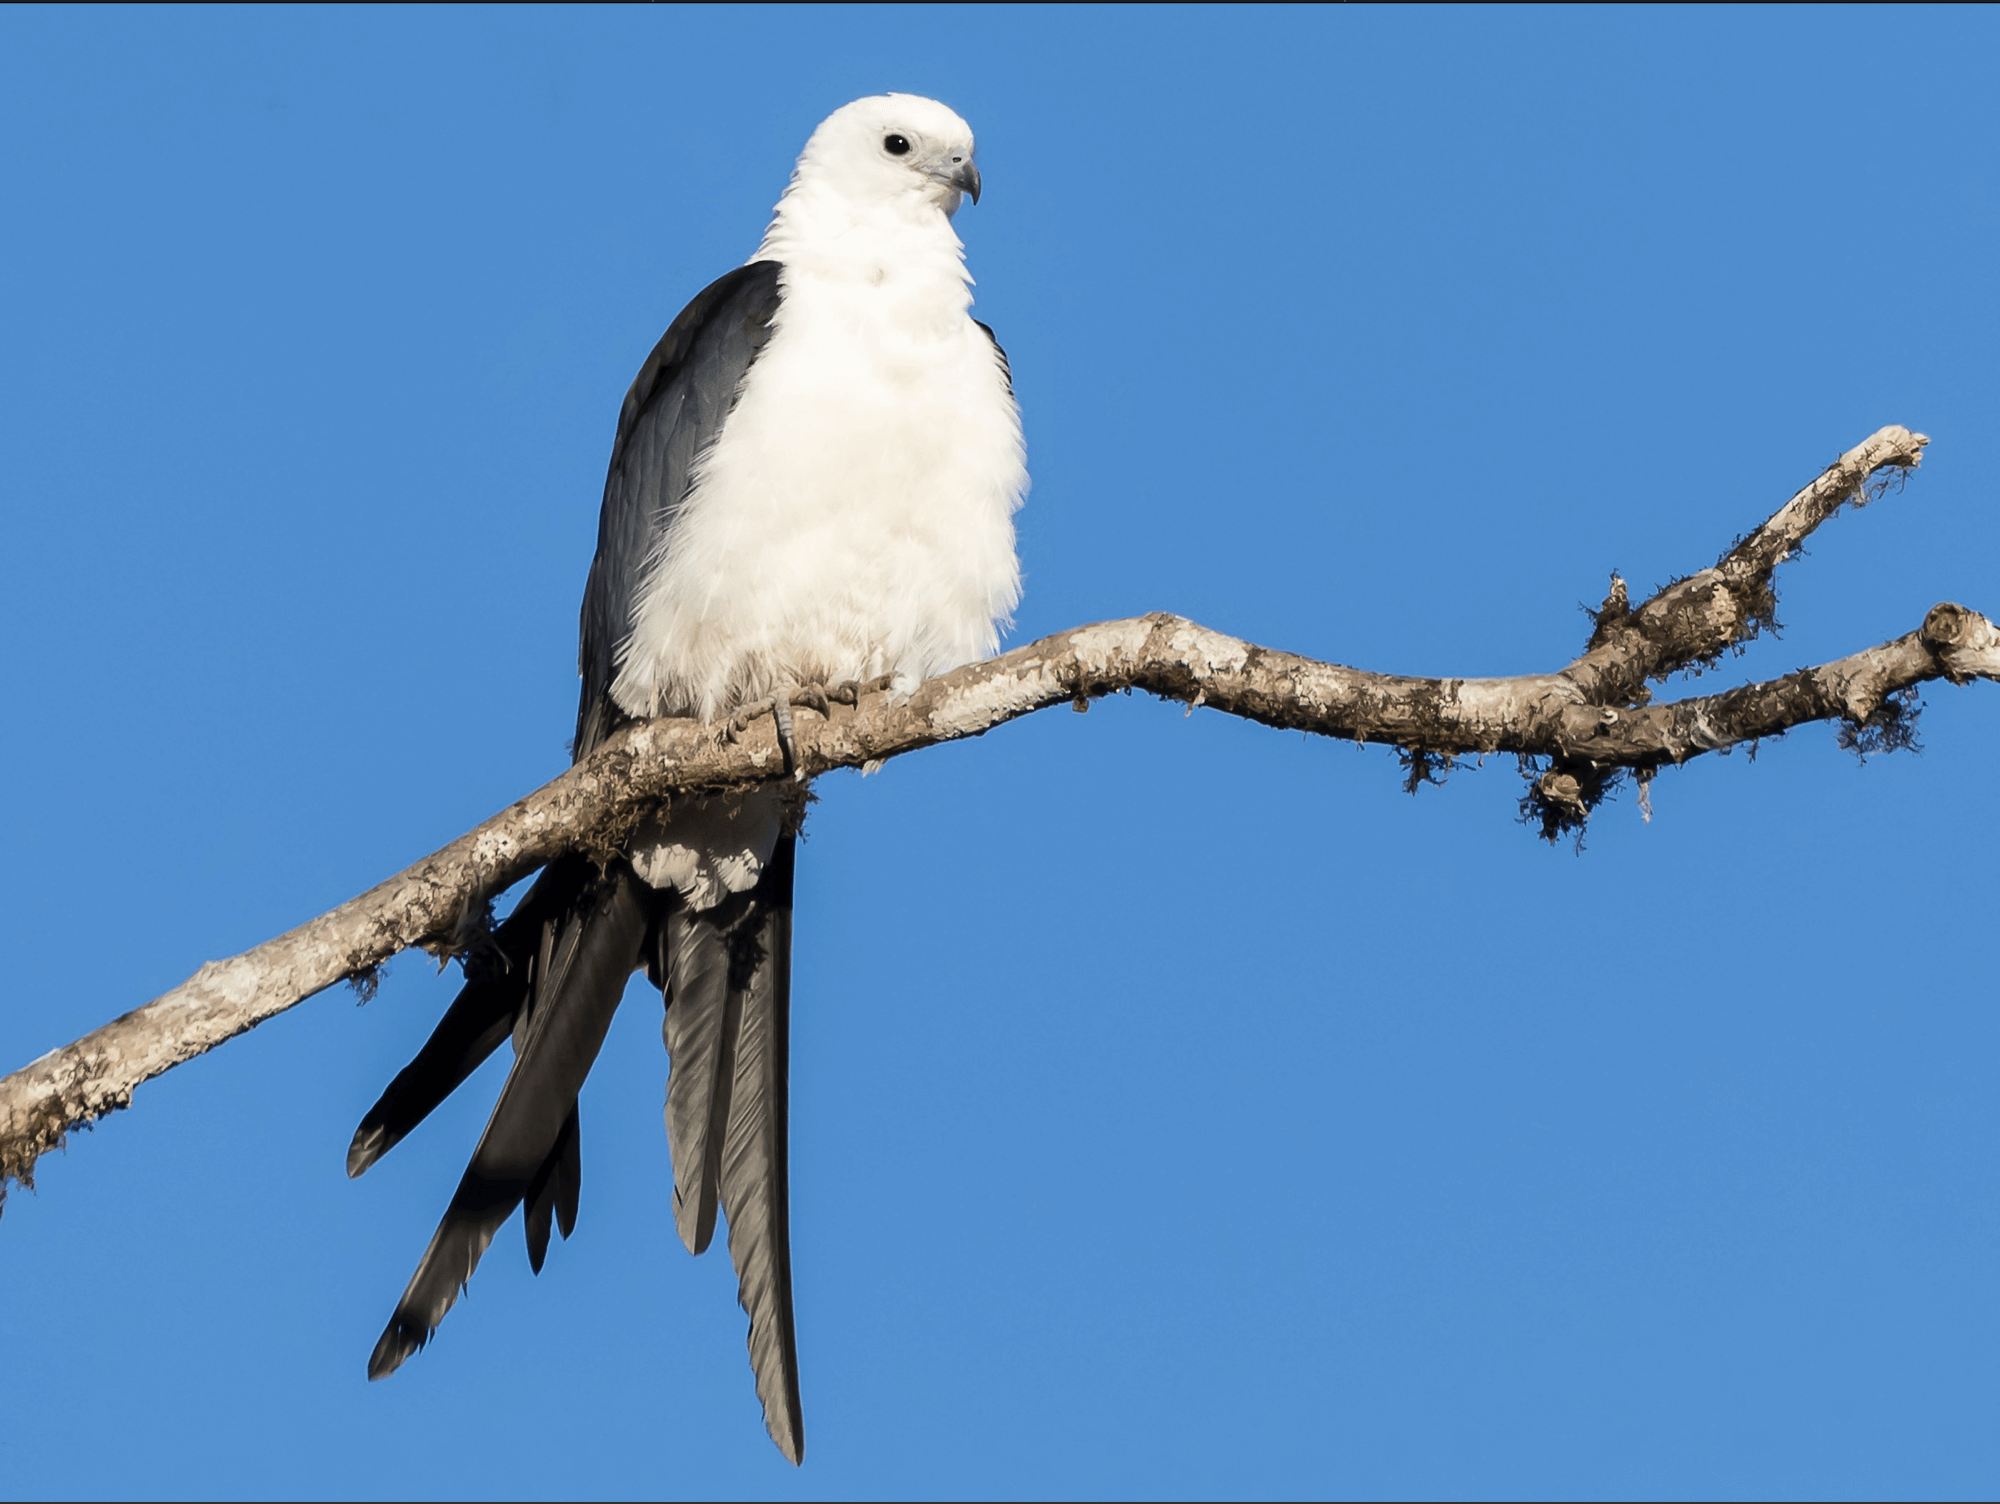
(855, 516)
(710, 847)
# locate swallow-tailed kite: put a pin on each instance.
(813, 483)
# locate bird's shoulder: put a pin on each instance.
(672, 412)
(728, 321)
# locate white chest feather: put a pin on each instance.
(855, 516)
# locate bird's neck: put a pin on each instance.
(823, 236)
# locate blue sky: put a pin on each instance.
(1180, 1108)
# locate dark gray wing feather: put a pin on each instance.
(671, 417)
(1006, 365)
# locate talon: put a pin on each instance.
(737, 724)
(813, 697)
(781, 712)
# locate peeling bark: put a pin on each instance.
(1590, 722)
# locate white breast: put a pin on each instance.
(855, 517)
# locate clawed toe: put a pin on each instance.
(779, 708)
(818, 697)
(745, 716)
(850, 691)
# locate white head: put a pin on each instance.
(899, 152)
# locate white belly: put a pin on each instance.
(854, 519)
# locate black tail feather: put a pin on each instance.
(497, 984)
(754, 1174)
(554, 1191)
(728, 975)
(700, 1035)
(563, 959)
(569, 1180)
(596, 947)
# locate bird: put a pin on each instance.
(811, 490)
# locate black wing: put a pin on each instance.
(671, 416)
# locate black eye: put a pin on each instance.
(895, 146)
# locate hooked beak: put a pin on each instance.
(966, 179)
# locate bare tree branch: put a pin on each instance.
(1591, 721)
(1693, 621)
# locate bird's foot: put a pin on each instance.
(778, 706)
